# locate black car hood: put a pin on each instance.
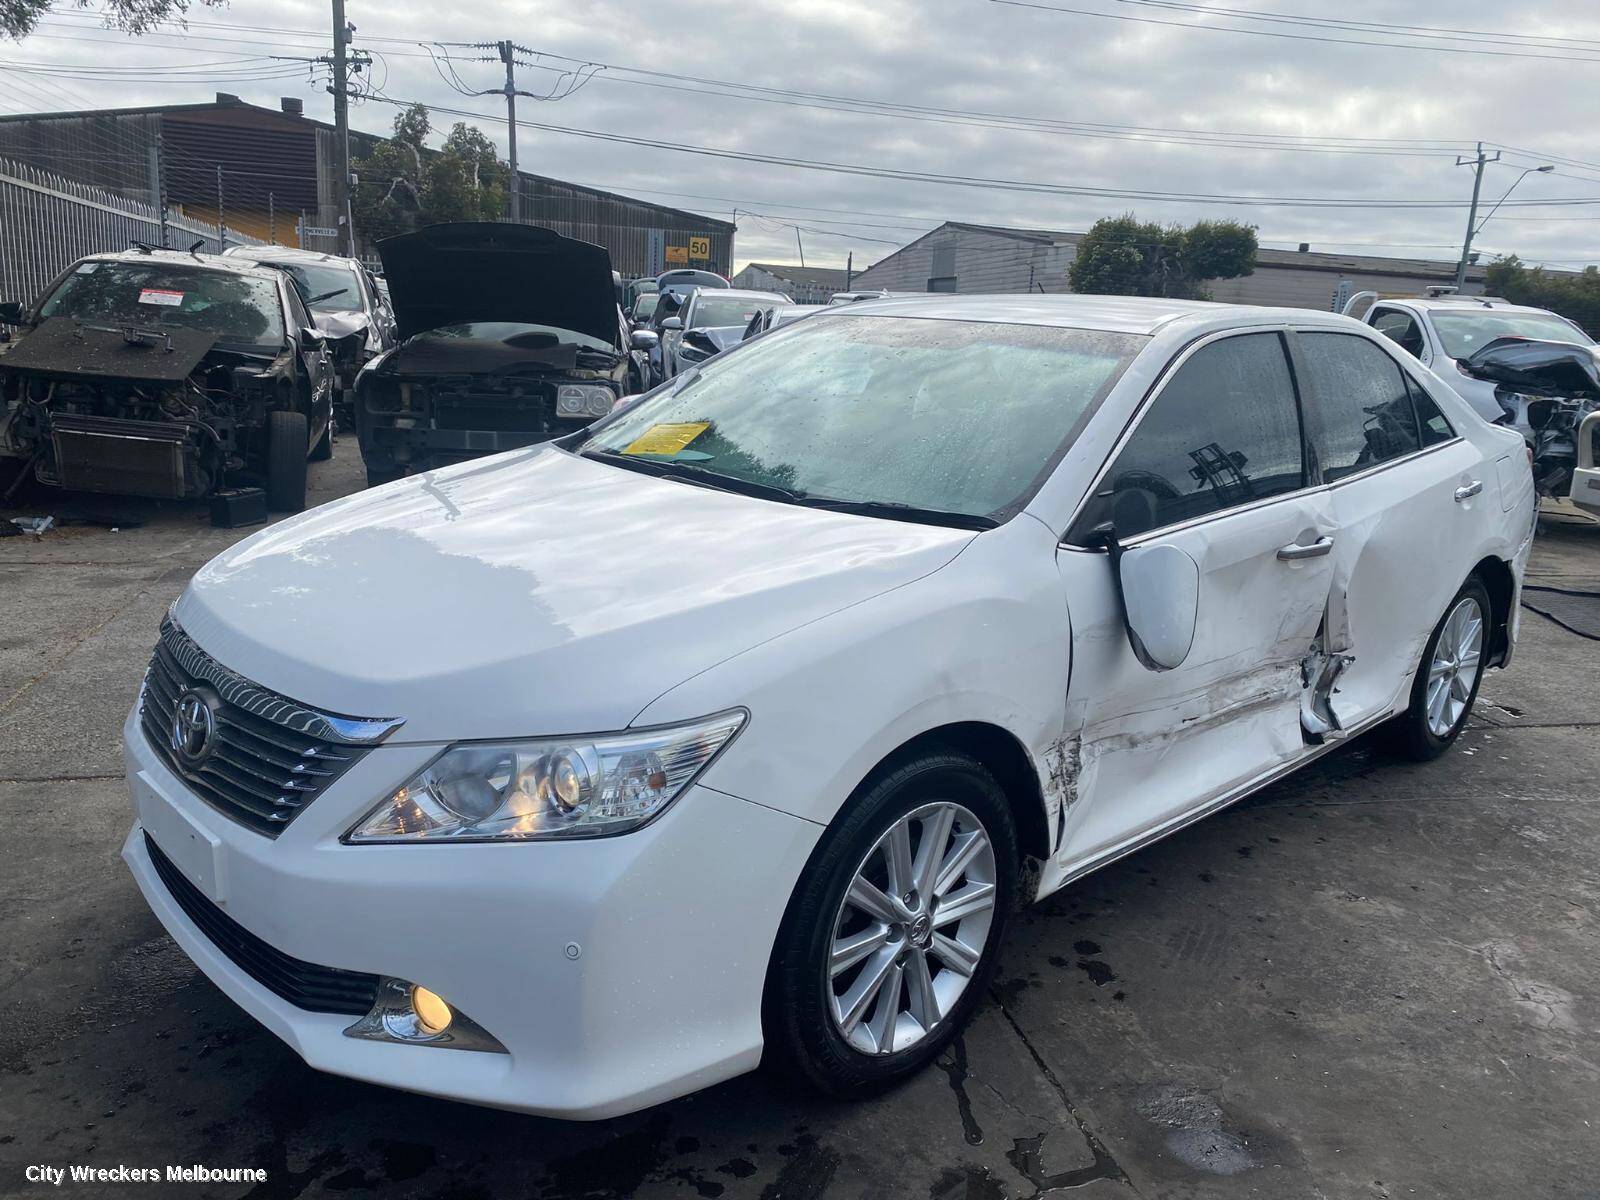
(1550, 368)
(69, 349)
(487, 271)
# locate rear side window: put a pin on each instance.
(1433, 424)
(1224, 431)
(1358, 407)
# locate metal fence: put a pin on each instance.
(48, 222)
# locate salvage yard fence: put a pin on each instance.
(47, 222)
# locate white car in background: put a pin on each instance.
(735, 726)
(712, 320)
(1441, 332)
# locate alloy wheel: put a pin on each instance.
(911, 928)
(1454, 668)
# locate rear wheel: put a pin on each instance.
(1447, 681)
(287, 435)
(892, 936)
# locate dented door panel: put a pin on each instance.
(1405, 546)
(1153, 746)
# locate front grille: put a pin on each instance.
(269, 757)
(304, 985)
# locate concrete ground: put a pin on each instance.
(1372, 980)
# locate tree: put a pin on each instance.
(404, 185)
(19, 17)
(1123, 256)
(1574, 296)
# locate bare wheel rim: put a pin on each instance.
(911, 928)
(1454, 668)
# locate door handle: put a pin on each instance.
(1469, 491)
(1294, 550)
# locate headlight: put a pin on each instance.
(583, 400)
(551, 788)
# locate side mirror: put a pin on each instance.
(1159, 587)
(672, 323)
(644, 339)
(313, 338)
(11, 313)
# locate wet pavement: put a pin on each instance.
(1371, 980)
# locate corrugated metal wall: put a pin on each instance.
(110, 151)
(624, 225)
(980, 262)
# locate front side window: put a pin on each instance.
(1224, 431)
(1462, 334)
(955, 417)
(1400, 328)
(1358, 406)
(240, 310)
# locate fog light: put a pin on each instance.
(433, 1014)
(412, 1015)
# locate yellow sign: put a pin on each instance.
(666, 439)
(678, 254)
(700, 247)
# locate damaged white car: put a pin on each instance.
(737, 725)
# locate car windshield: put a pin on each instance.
(645, 305)
(712, 311)
(1464, 333)
(510, 331)
(319, 280)
(241, 311)
(953, 417)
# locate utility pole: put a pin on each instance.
(222, 228)
(158, 190)
(1478, 162)
(272, 217)
(341, 123)
(514, 184)
(800, 244)
(849, 269)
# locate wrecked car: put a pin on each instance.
(511, 335)
(160, 373)
(710, 321)
(345, 304)
(740, 722)
(1550, 393)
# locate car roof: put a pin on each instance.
(1113, 314)
(1461, 303)
(213, 262)
(286, 254)
(741, 294)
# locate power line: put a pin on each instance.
(1299, 37)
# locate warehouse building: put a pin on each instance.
(803, 285)
(269, 173)
(958, 257)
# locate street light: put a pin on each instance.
(1472, 232)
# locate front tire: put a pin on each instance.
(892, 936)
(287, 437)
(1448, 678)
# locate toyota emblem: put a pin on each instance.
(194, 728)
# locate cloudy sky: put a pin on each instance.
(1110, 96)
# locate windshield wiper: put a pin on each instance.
(696, 475)
(896, 511)
(327, 296)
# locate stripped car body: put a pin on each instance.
(154, 373)
(511, 335)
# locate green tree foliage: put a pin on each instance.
(18, 17)
(404, 185)
(1123, 256)
(1576, 297)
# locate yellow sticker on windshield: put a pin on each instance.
(666, 439)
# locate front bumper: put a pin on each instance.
(617, 972)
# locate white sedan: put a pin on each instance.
(736, 726)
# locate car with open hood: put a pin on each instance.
(167, 374)
(345, 305)
(734, 727)
(510, 335)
